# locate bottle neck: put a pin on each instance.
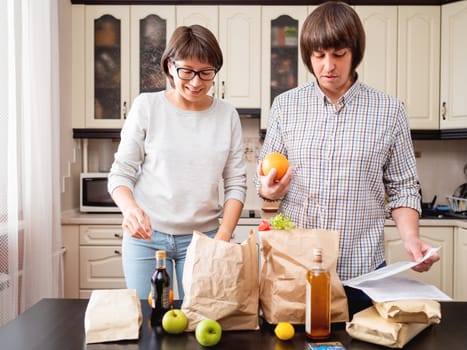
(160, 263)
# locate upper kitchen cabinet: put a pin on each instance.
(281, 64)
(238, 30)
(418, 64)
(240, 41)
(453, 67)
(378, 68)
(402, 58)
(106, 77)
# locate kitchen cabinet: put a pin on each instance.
(238, 31)
(378, 68)
(100, 258)
(281, 65)
(106, 76)
(92, 259)
(453, 108)
(418, 60)
(460, 262)
(441, 273)
(402, 58)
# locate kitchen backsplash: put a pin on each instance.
(440, 164)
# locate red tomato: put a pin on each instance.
(264, 225)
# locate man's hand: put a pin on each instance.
(270, 188)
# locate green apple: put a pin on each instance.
(208, 332)
(174, 321)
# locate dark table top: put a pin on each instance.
(58, 324)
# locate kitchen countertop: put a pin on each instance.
(57, 324)
(78, 218)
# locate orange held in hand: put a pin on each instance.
(277, 161)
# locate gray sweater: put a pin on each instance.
(175, 160)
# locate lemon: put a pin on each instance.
(284, 331)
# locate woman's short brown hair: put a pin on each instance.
(188, 42)
(332, 25)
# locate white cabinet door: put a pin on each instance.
(379, 66)
(207, 16)
(418, 64)
(460, 264)
(281, 64)
(240, 41)
(107, 73)
(101, 267)
(453, 65)
(441, 273)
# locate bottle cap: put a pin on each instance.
(318, 251)
(160, 254)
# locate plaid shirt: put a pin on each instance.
(345, 159)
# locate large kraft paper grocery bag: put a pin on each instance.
(221, 282)
(287, 258)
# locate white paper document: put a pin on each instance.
(384, 284)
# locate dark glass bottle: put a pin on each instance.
(160, 289)
(318, 299)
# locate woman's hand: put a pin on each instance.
(135, 220)
(270, 188)
(137, 223)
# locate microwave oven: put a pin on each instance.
(94, 197)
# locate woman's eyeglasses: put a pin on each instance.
(188, 74)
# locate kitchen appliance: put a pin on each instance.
(94, 197)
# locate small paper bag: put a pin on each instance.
(111, 315)
(287, 258)
(369, 326)
(410, 311)
(220, 280)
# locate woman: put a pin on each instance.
(176, 147)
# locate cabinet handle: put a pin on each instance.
(117, 252)
(124, 109)
(213, 89)
(117, 235)
(223, 89)
(443, 110)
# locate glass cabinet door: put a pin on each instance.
(282, 67)
(107, 67)
(107, 74)
(284, 55)
(151, 28)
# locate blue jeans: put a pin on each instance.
(139, 259)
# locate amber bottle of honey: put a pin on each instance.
(318, 299)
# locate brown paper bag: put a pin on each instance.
(410, 311)
(220, 281)
(287, 258)
(369, 326)
(111, 315)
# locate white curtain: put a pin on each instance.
(30, 243)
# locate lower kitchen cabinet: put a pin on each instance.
(441, 273)
(460, 256)
(92, 259)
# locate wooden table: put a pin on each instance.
(58, 324)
